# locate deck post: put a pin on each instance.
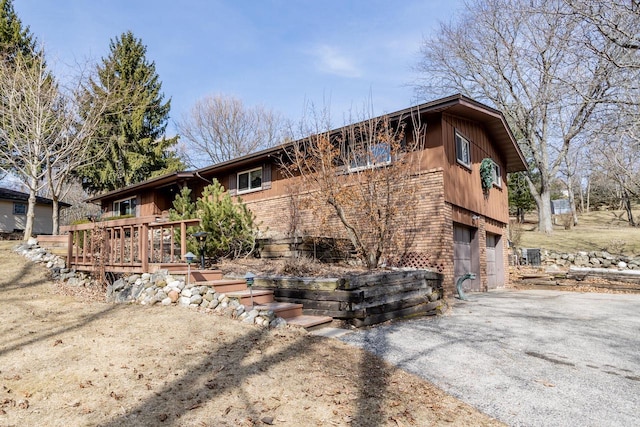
(144, 247)
(183, 239)
(69, 248)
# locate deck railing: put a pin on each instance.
(126, 245)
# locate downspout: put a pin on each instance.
(461, 294)
(196, 173)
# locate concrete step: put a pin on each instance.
(286, 310)
(310, 322)
(260, 296)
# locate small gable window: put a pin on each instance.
(463, 150)
(496, 175)
(125, 207)
(19, 209)
(250, 180)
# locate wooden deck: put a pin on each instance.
(131, 245)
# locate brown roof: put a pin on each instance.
(19, 196)
(155, 182)
(494, 120)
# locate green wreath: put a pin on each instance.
(486, 173)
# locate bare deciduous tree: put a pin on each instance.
(616, 155)
(616, 20)
(528, 58)
(28, 107)
(70, 134)
(44, 136)
(364, 174)
(220, 128)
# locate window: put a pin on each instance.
(124, 207)
(463, 150)
(250, 180)
(496, 175)
(19, 209)
(376, 155)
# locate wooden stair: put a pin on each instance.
(255, 297)
(262, 298)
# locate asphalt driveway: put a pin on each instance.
(527, 358)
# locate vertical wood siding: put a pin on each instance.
(462, 185)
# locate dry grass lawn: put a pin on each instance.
(598, 230)
(71, 361)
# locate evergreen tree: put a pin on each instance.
(131, 142)
(14, 38)
(231, 225)
(520, 199)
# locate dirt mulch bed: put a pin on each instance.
(68, 359)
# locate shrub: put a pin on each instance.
(231, 225)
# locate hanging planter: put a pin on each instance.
(486, 174)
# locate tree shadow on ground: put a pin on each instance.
(7, 346)
(23, 278)
(374, 380)
(206, 379)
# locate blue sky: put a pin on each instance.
(276, 53)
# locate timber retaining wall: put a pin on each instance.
(363, 299)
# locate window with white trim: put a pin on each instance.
(363, 157)
(250, 180)
(496, 175)
(463, 150)
(19, 208)
(124, 207)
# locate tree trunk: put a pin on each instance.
(545, 225)
(572, 202)
(626, 201)
(31, 212)
(55, 216)
(588, 195)
(542, 198)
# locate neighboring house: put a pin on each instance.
(13, 212)
(459, 227)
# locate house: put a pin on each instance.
(460, 226)
(13, 212)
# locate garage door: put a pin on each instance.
(465, 258)
(492, 280)
(495, 261)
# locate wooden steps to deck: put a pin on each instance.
(255, 297)
(260, 299)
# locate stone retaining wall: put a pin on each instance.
(150, 289)
(596, 259)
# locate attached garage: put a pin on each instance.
(466, 256)
(495, 265)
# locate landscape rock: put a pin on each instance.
(174, 295)
(157, 288)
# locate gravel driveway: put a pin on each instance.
(527, 358)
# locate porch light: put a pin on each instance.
(189, 257)
(201, 238)
(249, 279)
